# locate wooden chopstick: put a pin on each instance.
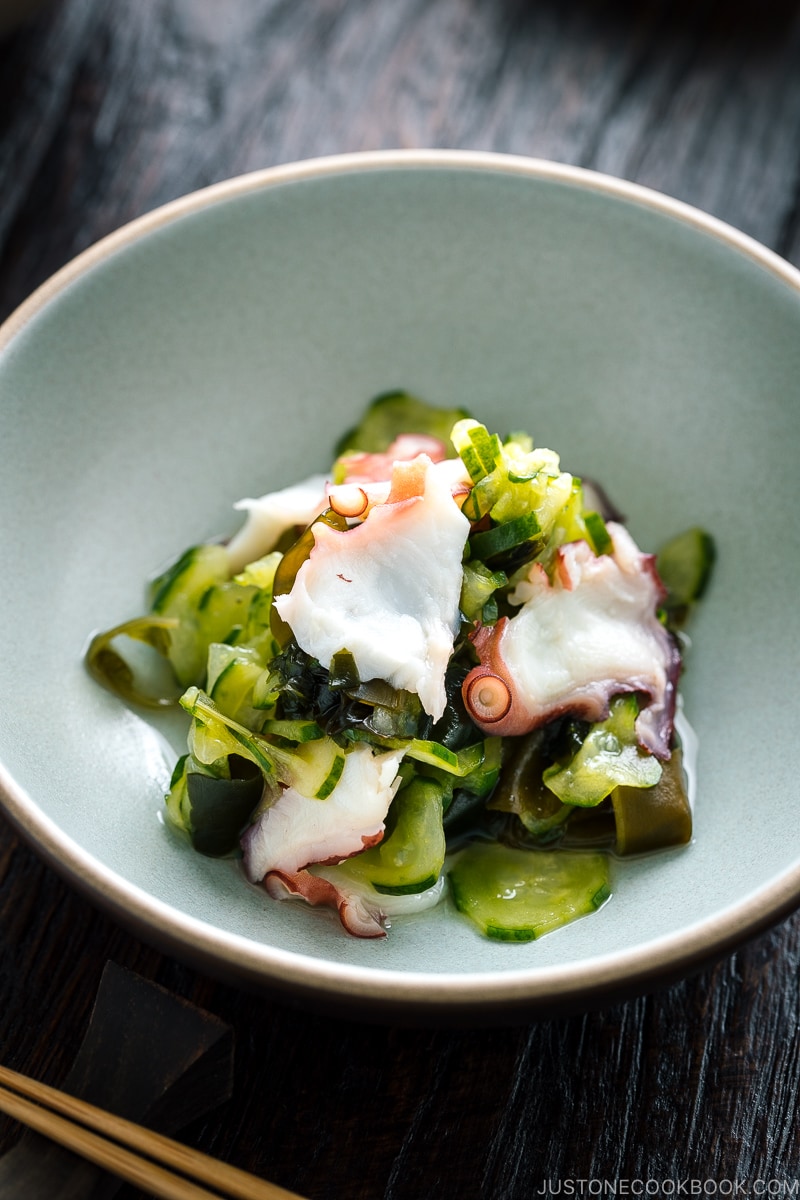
(118, 1145)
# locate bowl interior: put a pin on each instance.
(218, 349)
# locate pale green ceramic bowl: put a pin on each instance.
(217, 347)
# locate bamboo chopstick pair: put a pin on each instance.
(166, 1168)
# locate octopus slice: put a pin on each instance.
(366, 467)
(357, 917)
(388, 589)
(271, 515)
(588, 634)
(296, 830)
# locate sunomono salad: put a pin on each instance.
(444, 667)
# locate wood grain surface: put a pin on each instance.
(109, 109)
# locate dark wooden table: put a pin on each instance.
(107, 110)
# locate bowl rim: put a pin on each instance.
(379, 991)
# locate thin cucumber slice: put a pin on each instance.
(313, 768)
(189, 577)
(609, 757)
(490, 543)
(232, 675)
(411, 855)
(196, 591)
(293, 731)
(323, 764)
(599, 536)
(516, 895)
(394, 413)
(685, 564)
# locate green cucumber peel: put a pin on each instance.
(599, 537)
(487, 544)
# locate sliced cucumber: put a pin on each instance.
(177, 798)
(459, 763)
(189, 577)
(519, 895)
(213, 736)
(394, 413)
(232, 674)
(293, 731)
(223, 611)
(478, 586)
(411, 855)
(599, 537)
(313, 768)
(483, 761)
(490, 544)
(609, 757)
(179, 592)
(316, 767)
(480, 450)
(685, 564)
